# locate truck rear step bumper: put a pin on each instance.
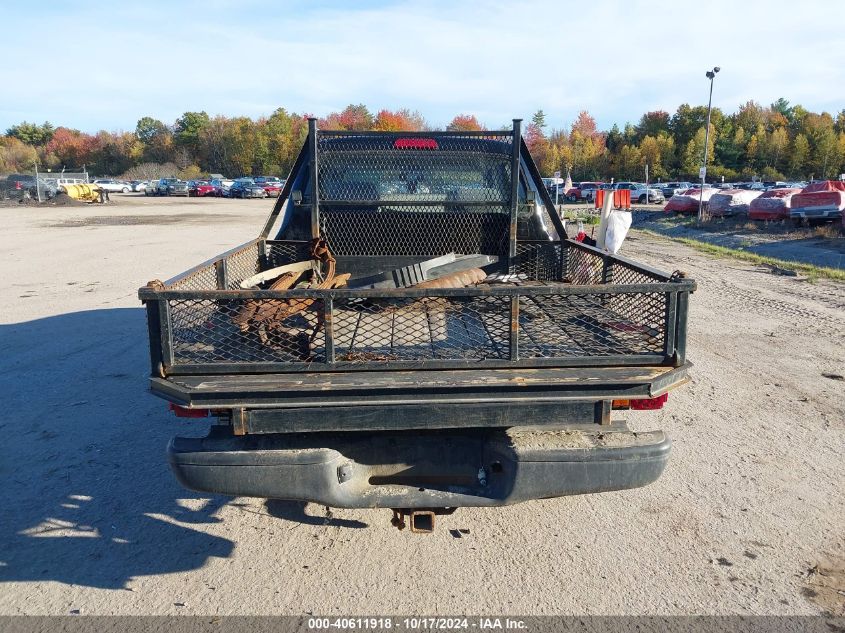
(427, 469)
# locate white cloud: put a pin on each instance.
(498, 60)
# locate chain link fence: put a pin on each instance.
(37, 185)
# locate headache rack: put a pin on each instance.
(567, 304)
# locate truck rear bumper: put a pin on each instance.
(426, 469)
(816, 213)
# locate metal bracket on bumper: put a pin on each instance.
(437, 469)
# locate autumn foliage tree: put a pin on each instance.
(779, 141)
(464, 123)
(398, 121)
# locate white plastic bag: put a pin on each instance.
(618, 224)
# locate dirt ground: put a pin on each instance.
(749, 517)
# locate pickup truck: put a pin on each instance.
(640, 193)
(22, 185)
(359, 386)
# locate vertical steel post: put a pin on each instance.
(315, 185)
(328, 328)
(164, 323)
(712, 76)
(517, 141)
(681, 328)
(221, 269)
(37, 184)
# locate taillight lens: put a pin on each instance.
(649, 404)
(182, 412)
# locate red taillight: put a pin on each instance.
(651, 404)
(415, 143)
(182, 412)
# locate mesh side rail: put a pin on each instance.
(413, 231)
(242, 264)
(619, 272)
(370, 331)
(540, 261)
(593, 325)
(417, 330)
(210, 326)
(585, 265)
(204, 278)
(212, 331)
(281, 252)
(237, 264)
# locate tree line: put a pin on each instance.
(777, 142)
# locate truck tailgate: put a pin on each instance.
(415, 399)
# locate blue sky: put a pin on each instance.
(101, 65)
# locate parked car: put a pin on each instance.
(569, 193)
(201, 188)
(774, 204)
(823, 200)
(113, 186)
(672, 188)
(20, 185)
(223, 185)
(639, 193)
(773, 184)
(138, 185)
(730, 202)
(246, 188)
(561, 191)
(62, 182)
(550, 183)
(273, 185)
(272, 189)
(172, 187)
(589, 194)
(262, 180)
(687, 201)
(586, 190)
(152, 188)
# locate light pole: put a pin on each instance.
(711, 74)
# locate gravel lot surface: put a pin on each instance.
(781, 241)
(748, 518)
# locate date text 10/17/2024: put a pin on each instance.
(417, 623)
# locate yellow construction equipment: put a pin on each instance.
(85, 193)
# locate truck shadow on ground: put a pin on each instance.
(295, 511)
(88, 498)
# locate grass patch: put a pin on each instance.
(587, 217)
(812, 272)
(828, 231)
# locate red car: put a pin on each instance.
(200, 188)
(272, 185)
(584, 190)
(272, 188)
(775, 204)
